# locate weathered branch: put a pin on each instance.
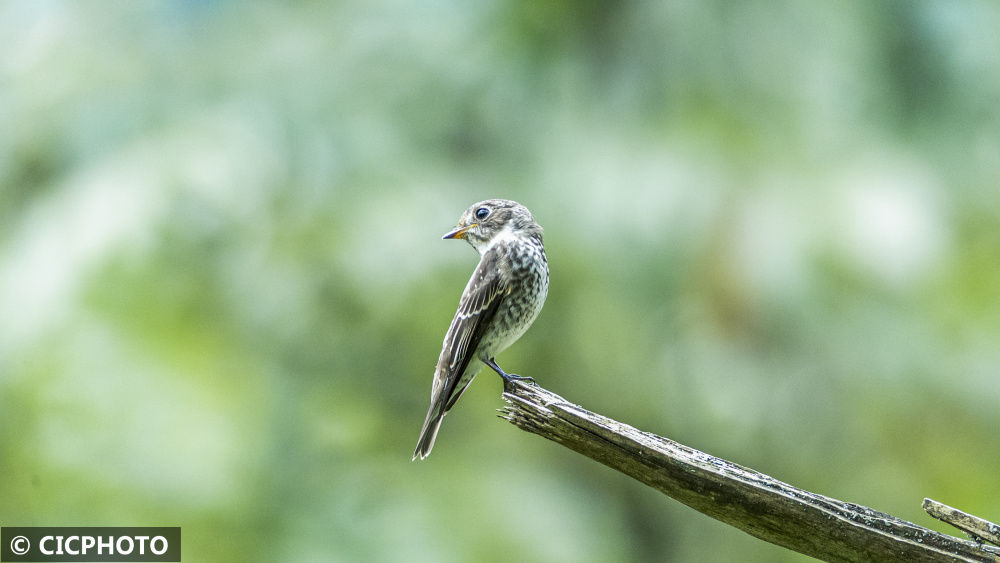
(972, 525)
(764, 507)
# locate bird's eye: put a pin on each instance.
(482, 213)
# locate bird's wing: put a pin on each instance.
(479, 303)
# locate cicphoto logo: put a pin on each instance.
(90, 544)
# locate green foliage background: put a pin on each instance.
(773, 228)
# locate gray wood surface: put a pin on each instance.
(809, 523)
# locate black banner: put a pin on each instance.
(90, 544)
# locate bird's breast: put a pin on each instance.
(528, 280)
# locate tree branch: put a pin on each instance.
(761, 506)
(975, 526)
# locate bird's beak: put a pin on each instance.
(459, 232)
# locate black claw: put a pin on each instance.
(515, 377)
(508, 378)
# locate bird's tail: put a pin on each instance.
(429, 432)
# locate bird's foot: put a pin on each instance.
(510, 377)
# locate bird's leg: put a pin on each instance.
(507, 377)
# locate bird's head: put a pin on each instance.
(487, 221)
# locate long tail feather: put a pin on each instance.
(429, 432)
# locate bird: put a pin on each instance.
(502, 299)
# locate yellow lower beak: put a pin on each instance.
(459, 232)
